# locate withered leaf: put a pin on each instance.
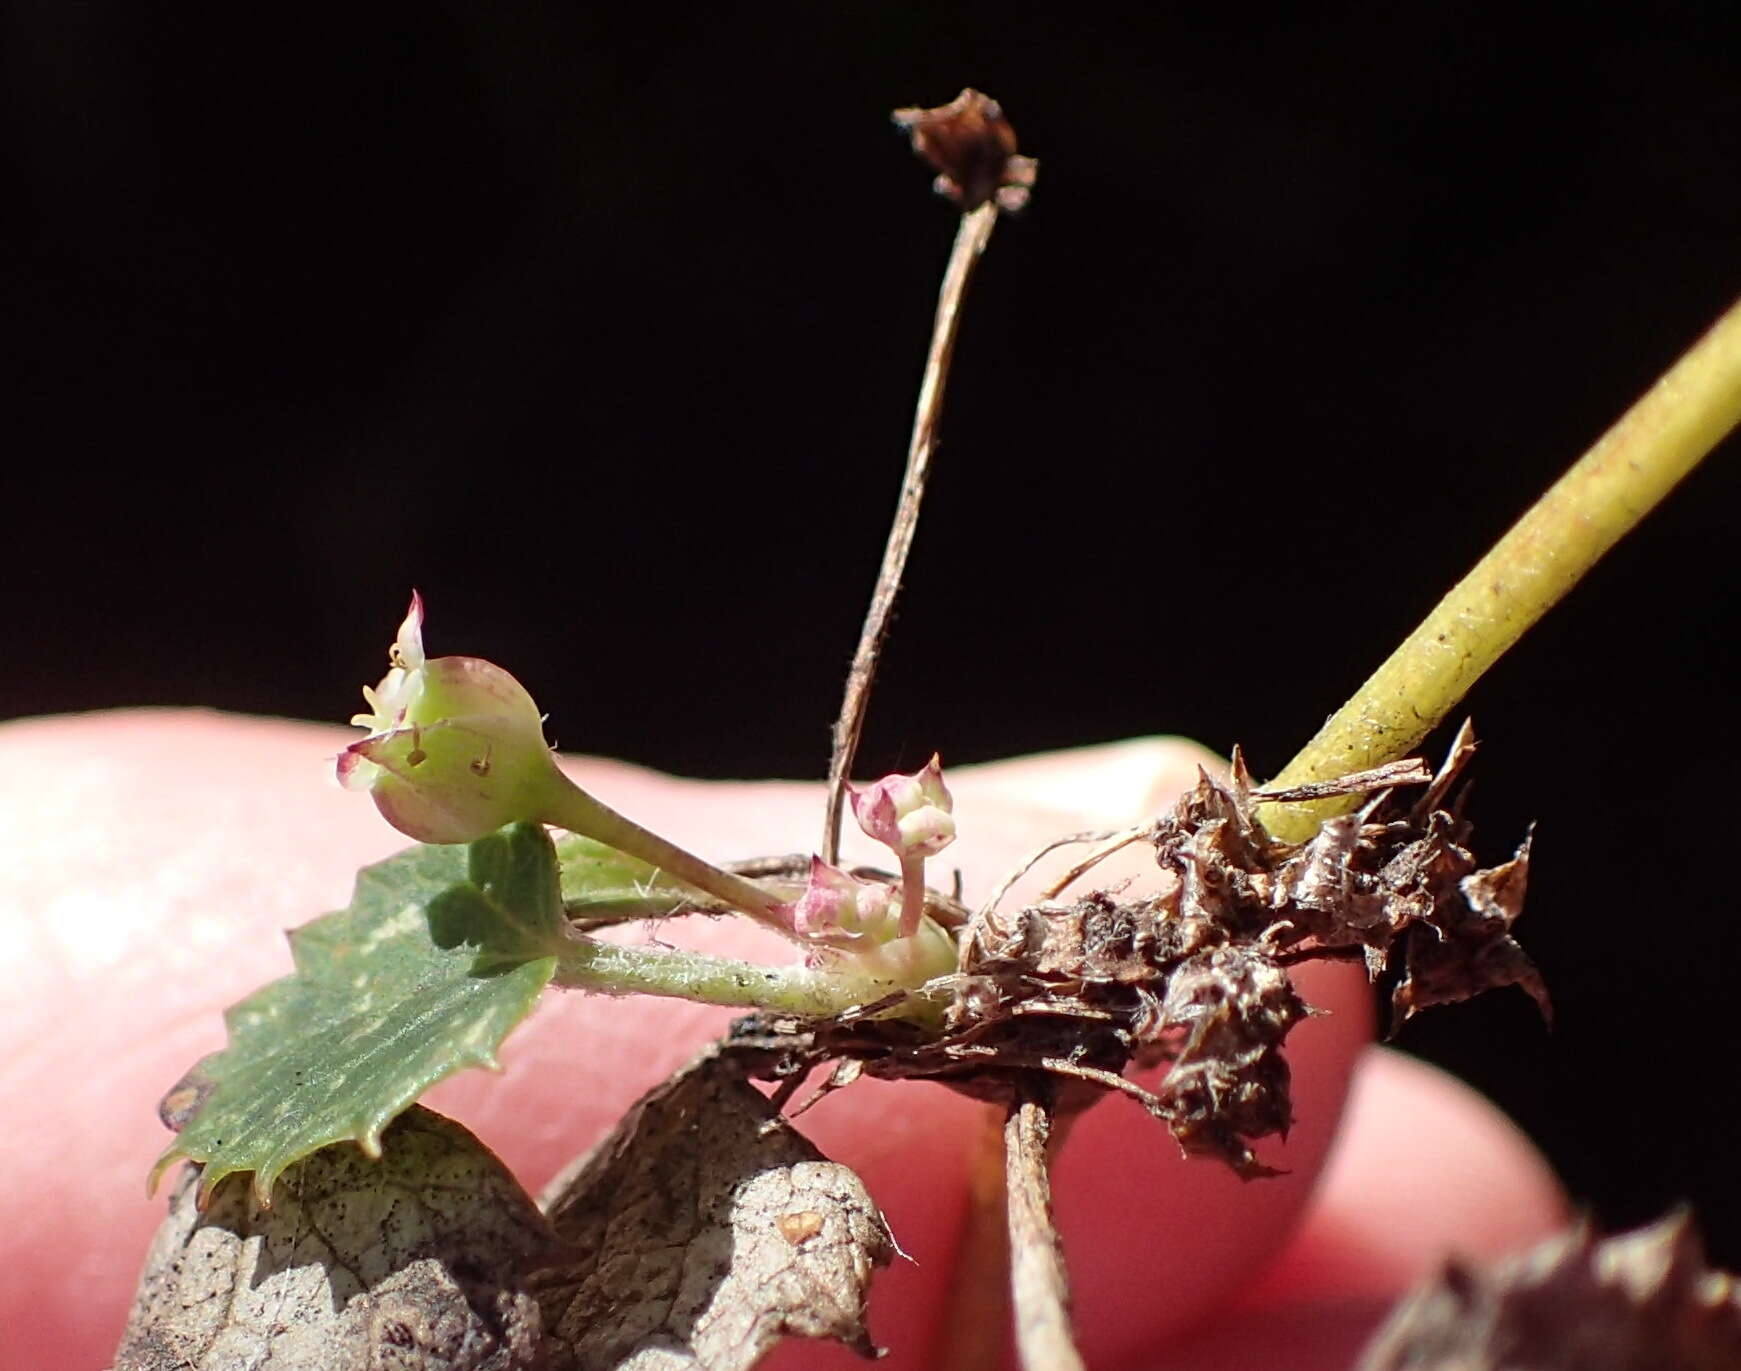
(1229, 1080)
(1644, 1301)
(1393, 882)
(1468, 947)
(704, 1229)
(410, 1262)
(698, 1234)
(1404, 771)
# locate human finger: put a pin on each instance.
(167, 849)
(1423, 1169)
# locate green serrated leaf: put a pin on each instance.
(601, 883)
(442, 951)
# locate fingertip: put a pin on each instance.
(1424, 1168)
(1106, 783)
(1154, 1240)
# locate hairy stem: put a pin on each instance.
(1632, 466)
(676, 973)
(970, 241)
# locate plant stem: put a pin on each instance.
(970, 241)
(1037, 1282)
(1631, 467)
(912, 894)
(811, 992)
(579, 812)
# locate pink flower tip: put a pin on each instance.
(911, 814)
(455, 747)
(835, 903)
(407, 649)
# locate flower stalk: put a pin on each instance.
(1689, 410)
(456, 750)
(570, 807)
(973, 149)
(971, 239)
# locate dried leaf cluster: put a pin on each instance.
(1197, 976)
(1643, 1301)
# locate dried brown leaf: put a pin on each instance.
(1406, 771)
(1229, 1081)
(695, 1236)
(1468, 948)
(411, 1262)
(705, 1229)
(1394, 883)
(1644, 1301)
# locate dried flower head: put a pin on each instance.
(973, 148)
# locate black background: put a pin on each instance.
(602, 326)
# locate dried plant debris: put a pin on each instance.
(704, 1229)
(973, 148)
(1198, 976)
(411, 1262)
(1644, 1301)
(1039, 1288)
(701, 1232)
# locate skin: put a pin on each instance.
(155, 857)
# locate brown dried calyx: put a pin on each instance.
(973, 148)
(1393, 884)
(1198, 976)
(1645, 1301)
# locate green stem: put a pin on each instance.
(1631, 467)
(572, 808)
(810, 992)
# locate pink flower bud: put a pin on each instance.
(834, 903)
(914, 815)
(456, 746)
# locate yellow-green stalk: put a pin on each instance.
(1633, 465)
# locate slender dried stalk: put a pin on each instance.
(1632, 466)
(970, 241)
(1037, 1281)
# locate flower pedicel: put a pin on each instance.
(456, 750)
